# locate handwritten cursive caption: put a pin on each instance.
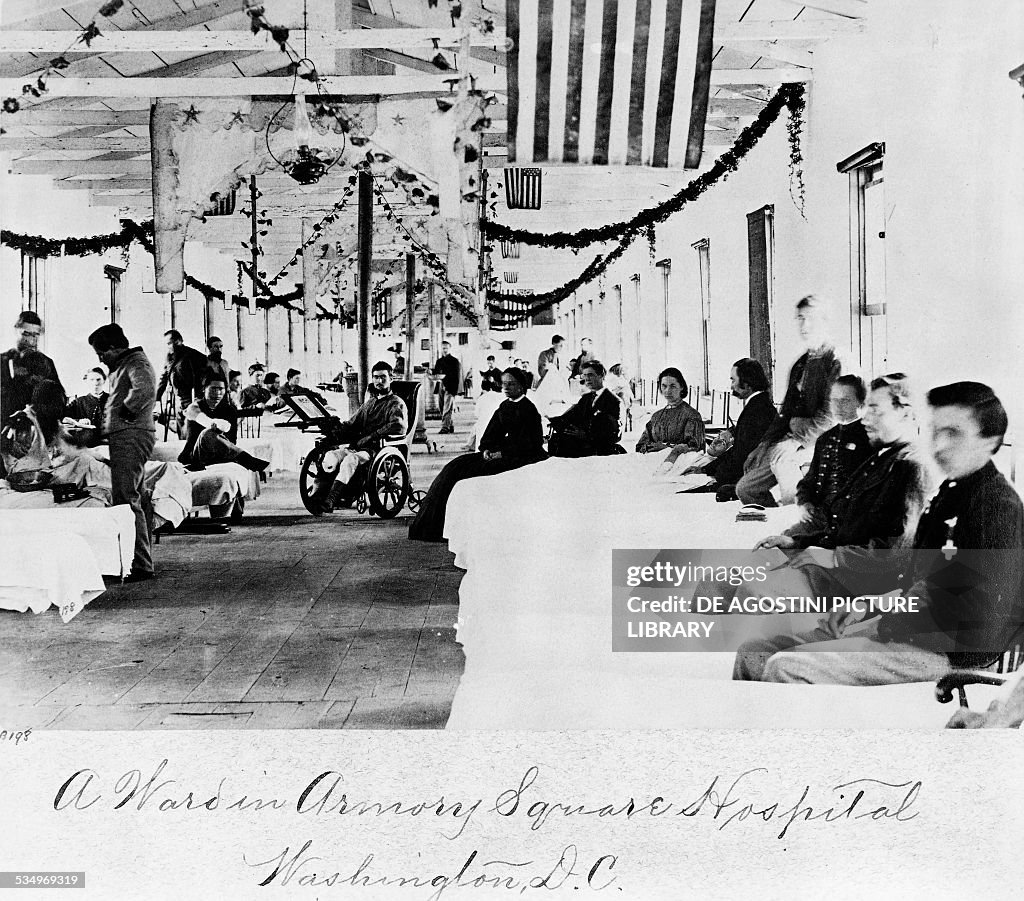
(749, 799)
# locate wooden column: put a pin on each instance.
(309, 284)
(365, 257)
(410, 307)
(435, 347)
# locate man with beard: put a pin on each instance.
(215, 361)
(23, 367)
(748, 383)
(183, 372)
(383, 415)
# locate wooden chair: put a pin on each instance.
(958, 680)
(249, 426)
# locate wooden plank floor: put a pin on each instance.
(287, 622)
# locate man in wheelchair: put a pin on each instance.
(381, 416)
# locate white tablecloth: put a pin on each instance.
(109, 532)
(535, 610)
(44, 567)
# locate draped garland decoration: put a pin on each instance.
(38, 85)
(789, 96)
(131, 232)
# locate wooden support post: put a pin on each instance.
(365, 257)
(309, 280)
(432, 408)
(410, 305)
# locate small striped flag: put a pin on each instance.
(523, 189)
(609, 82)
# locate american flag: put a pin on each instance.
(609, 82)
(523, 189)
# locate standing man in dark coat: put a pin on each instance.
(23, 367)
(183, 372)
(130, 428)
(591, 427)
(789, 441)
(449, 370)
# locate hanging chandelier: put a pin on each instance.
(304, 161)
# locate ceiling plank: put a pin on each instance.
(853, 9)
(348, 85)
(99, 143)
(783, 30)
(179, 40)
(75, 118)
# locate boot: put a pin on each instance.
(250, 462)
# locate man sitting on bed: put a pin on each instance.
(212, 428)
(748, 383)
(964, 572)
(383, 415)
(591, 426)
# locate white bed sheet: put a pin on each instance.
(109, 532)
(535, 611)
(44, 567)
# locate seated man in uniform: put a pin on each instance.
(838, 453)
(89, 406)
(212, 428)
(963, 574)
(383, 415)
(591, 426)
(255, 393)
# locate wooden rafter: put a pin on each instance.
(202, 41)
(348, 85)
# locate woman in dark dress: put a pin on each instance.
(513, 438)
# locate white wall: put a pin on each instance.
(76, 294)
(930, 80)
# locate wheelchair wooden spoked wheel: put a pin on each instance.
(311, 470)
(388, 485)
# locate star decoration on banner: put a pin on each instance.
(399, 119)
(191, 115)
(237, 116)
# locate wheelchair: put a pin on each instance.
(382, 487)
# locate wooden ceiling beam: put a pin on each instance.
(178, 22)
(99, 143)
(853, 9)
(424, 85)
(202, 41)
(75, 118)
(785, 30)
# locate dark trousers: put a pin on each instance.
(129, 451)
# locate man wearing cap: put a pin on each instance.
(131, 431)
